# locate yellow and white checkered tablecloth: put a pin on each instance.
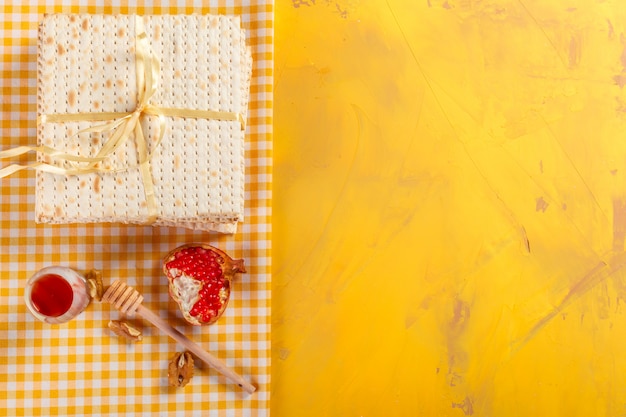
(78, 368)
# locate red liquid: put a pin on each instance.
(52, 295)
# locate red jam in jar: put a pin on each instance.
(52, 295)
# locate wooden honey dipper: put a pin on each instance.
(128, 301)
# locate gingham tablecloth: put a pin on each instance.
(79, 368)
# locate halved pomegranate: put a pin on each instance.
(199, 280)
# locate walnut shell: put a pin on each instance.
(125, 330)
(94, 284)
(180, 369)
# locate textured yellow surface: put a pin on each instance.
(449, 208)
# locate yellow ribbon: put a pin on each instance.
(121, 124)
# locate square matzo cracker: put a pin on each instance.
(86, 64)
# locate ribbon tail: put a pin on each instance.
(53, 153)
(17, 151)
(12, 169)
(117, 138)
(106, 126)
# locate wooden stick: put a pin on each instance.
(130, 301)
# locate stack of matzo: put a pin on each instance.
(86, 64)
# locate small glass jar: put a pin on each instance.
(56, 294)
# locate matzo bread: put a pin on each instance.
(86, 63)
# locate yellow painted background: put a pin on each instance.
(449, 208)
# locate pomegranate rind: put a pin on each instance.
(178, 291)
